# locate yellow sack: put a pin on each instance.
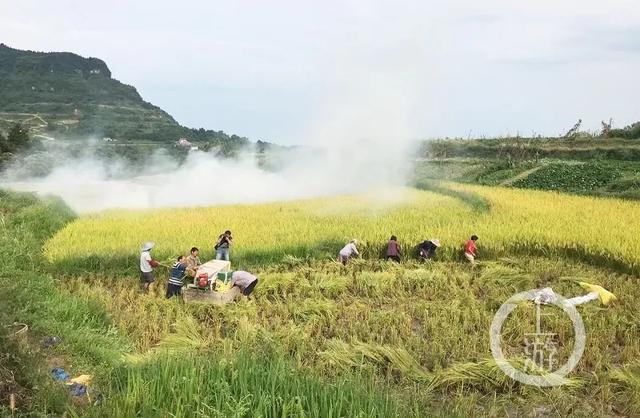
(83, 379)
(605, 296)
(222, 287)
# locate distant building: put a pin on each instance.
(184, 142)
(107, 139)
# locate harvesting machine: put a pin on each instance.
(211, 284)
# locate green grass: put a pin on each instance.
(574, 178)
(240, 385)
(533, 149)
(598, 177)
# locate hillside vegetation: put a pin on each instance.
(603, 167)
(63, 95)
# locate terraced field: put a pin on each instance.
(319, 339)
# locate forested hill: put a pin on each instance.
(64, 95)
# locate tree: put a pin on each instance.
(4, 145)
(17, 139)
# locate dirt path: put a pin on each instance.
(523, 175)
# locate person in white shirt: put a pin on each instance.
(147, 264)
(348, 251)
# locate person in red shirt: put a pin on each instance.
(470, 249)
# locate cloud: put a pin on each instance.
(232, 58)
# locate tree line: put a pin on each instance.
(17, 139)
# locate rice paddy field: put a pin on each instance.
(318, 339)
(602, 231)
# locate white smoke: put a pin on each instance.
(357, 142)
(89, 184)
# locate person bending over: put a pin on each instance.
(348, 251)
(393, 249)
(470, 250)
(428, 249)
(245, 281)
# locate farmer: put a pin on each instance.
(193, 262)
(428, 249)
(393, 249)
(245, 281)
(348, 251)
(222, 246)
(174, 286)
(470, 249)
(147, 264)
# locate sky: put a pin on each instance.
(297, 72)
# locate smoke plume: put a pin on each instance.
(357, 142)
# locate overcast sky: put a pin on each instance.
(286, 71)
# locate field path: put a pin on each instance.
(523, 175)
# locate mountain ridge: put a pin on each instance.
(65, 95)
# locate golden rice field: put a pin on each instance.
(602, 231)
(411, 339)
(419, 332)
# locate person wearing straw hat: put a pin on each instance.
(428, 249)
(147, 264)
(348, 251)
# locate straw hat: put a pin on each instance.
(435, 242)
(148, 245)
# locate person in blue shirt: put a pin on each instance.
(174, 287)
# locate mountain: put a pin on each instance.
(64, 95)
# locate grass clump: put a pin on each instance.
(243, 385)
